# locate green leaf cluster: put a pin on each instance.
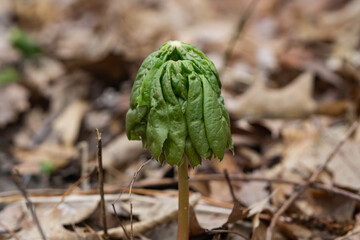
(176, 107)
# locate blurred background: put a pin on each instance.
(290, 71)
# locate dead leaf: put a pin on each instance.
(121, 151)
(238, 213)
(52, 220)
(11, 216)
(354, 234)
(195, 228)
(13, 101)
(42, 72)
(328, 206)
(292, 101)
(31, 159)
(67, 125)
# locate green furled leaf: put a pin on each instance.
(158, 120)
(194, 116)
(225, 113)
(144, 99)
(194, 157)
(203, 67)
(144, 69)
(135, 122)
(175, 143)
(210, 64)
(215, 122)
(178, 79)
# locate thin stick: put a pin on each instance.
(183, 210)
(120, 223)
(131, 237)
(30, 206)
(130, 199)
(72, 187)
(101, 183)
(301, 188)
(226, 174)
(240, 26)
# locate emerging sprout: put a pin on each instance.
(22, 42)
(176, 107)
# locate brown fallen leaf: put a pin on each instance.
(306, 147)
(31, 160)
(195, 228)
(354, 234)
(42, 72)
(329, 206)
(71, 211)
(11, 216)
(13, 101)
(121, 151)
(292, 101)
(67, 125)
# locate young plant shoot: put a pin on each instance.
(177, 112)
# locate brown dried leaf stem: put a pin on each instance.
(101, 183)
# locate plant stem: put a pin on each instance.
(183, 214)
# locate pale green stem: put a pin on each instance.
(183, 214)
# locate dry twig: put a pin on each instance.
(120, 223)
(101, 182)
(130, 199)
(301, 188)
(30, 206)
(240, 26)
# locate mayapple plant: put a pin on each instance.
(178, 113)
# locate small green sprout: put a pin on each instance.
(47, 167)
